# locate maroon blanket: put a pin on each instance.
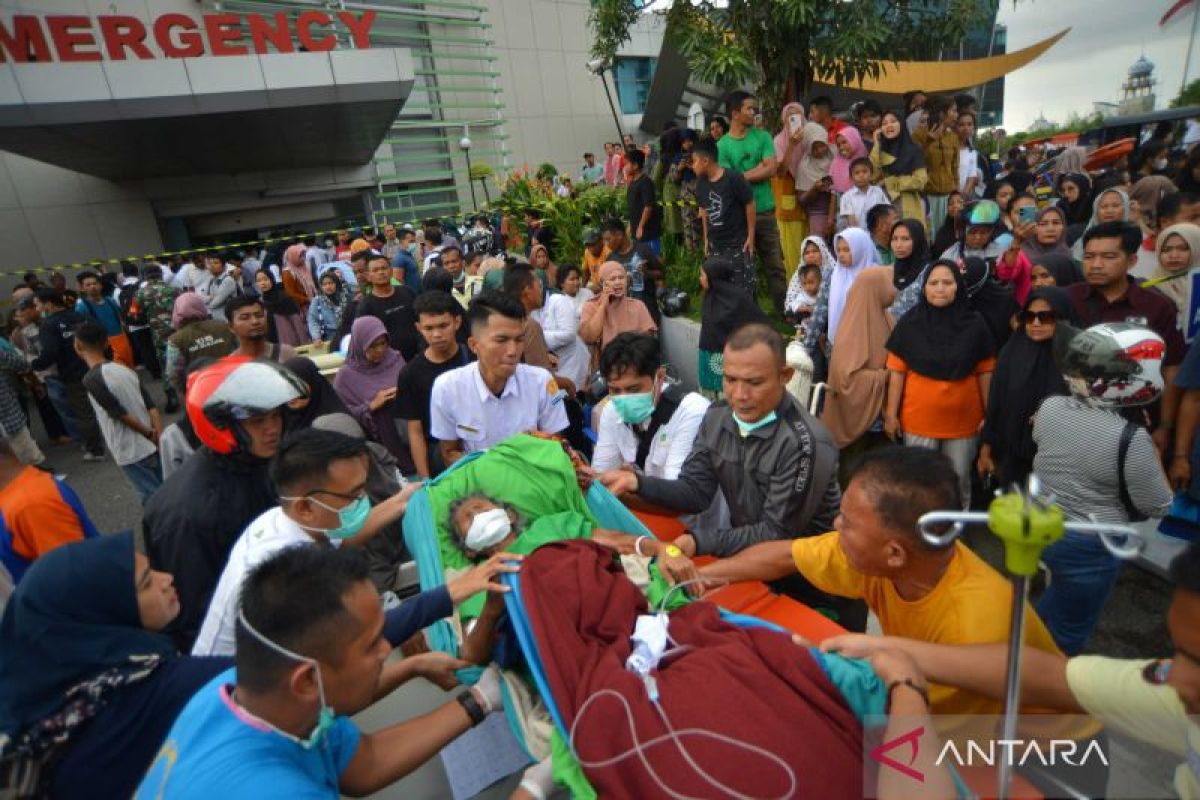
(754, 685)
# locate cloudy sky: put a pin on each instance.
(1089, 64)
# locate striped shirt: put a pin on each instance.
(1077, 461)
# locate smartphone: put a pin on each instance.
(1027, 214)
(796, 122)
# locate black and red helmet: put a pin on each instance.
(233, 390)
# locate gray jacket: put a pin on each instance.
(766, 477)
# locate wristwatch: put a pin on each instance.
(475, 711)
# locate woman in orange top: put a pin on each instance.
(940, 363)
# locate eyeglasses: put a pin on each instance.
(1040, 317)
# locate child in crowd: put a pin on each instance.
(802, 297)
(852, 213)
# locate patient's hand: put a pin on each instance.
(438, 668)
(483, 577)
(681, 569)
(620, 481)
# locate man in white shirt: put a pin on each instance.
(647, 425)
(969, 183)
(481, 404)
(314, 257)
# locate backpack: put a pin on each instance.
(668, 403)
(131, 310)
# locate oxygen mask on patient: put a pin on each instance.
(488, 529)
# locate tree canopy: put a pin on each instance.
(783, 46)
(1190, 96)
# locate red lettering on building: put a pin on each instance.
(26, 42)
(222, 29)
(28, 38)
(121, 34)
(261, 32)
(67, 41)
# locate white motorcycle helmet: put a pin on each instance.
(1115, 365)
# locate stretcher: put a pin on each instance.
(427, 537)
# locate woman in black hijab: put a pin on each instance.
(939, 370)
(902, 164)
(321, 400)
(992, 299)
(1075, 198)
(910, 246)
(285, 323)
(726, 307)
(1026, 373)
(1055, 269)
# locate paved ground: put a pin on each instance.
(1132, 625)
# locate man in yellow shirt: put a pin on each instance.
(945, 595)
(1155, 701)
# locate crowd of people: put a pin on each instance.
(969, 331)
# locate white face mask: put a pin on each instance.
(488, 529)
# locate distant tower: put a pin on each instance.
(1137, 93)
(1041, 123)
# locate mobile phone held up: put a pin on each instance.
(1027, 214)
(795, 122)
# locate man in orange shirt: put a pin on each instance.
(37, 514)
(944, 595)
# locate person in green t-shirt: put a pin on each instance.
(751, 151)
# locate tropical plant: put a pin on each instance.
(1190, 96)
(783, 46)
(566, 217)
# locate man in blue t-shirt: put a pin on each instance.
(311, 651)
(92, 303)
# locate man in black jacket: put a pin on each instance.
(192, 521)
(56, 334)
(775, 464)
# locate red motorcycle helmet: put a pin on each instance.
(233, 390)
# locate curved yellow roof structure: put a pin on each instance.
(898, 77)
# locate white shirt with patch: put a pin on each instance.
(462, 407)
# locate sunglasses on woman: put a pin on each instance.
(1040, 317)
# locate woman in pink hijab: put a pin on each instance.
(297, 280)
(789, 154)
(847, 146)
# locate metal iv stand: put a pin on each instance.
(1027, 522)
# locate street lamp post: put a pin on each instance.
(465, 144)
(598, 66)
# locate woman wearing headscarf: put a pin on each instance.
(1054, 269)
(547, 270)
(297, 279)
(1030, 242)
(89, 688)
(913, 256)
(285, 320)
(855, 252)
(321, 398)
(992, 299)
(726, 307)
(951, 229)
(196, 335)
(858, 374)
(1075, 198)
(1109, 205)
(328, 308)
(790, 149)
(367, 383)
(1070, 162)
(1178, 255)
(613, 311)
(1144, 198)
(814, 184)
(900, 166)
(1026, 373)
(813, 253)
(940, 360)
(848, 146)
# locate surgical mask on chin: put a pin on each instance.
(634, 408)
(488, 529)
(747, 427)
(351, 518)
(413, 247)
(326, 719)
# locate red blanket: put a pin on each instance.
(753, 685)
